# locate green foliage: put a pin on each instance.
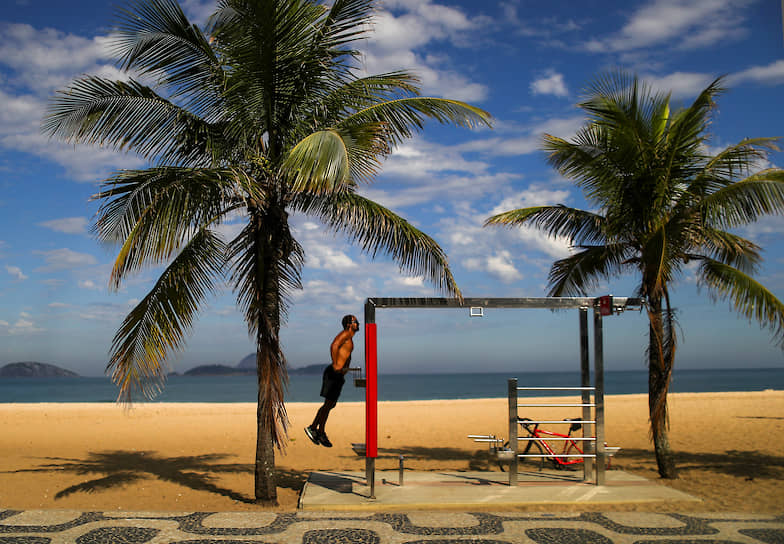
(662, 203)
(258, 115)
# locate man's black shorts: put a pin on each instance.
(332, 383)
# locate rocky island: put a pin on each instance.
(30, 369)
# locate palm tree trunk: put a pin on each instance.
(659, 375)
(271, 249)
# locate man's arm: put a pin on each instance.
(339, 359)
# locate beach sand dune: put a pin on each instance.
(199, 457)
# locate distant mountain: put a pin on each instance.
(29, 369)
(249, 362)
(218, 370)
(310, 369)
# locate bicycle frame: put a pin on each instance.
(571, 453)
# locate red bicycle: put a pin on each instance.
(561, 450)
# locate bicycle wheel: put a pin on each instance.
(534, 448)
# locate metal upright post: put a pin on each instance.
(585, 381)
(371, 397)
(598, 369)
(512, 389)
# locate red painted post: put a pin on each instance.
(371, 392)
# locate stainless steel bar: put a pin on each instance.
(553, 405)
(598, 372)
(555, 439)
(512, 392)
(527, 421)
(555, 388)
(585, 381)
(619, 303)
(536, 455)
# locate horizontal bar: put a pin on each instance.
(589, 455)
(558, 438)
(556, 388)
(527, 421)
(619, 303)
(553, 405)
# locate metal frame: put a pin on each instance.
(599, 306)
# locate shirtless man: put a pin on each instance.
(333, 379)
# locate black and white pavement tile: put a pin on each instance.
(56, 527)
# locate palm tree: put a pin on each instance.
(258, 116)
(661, 202)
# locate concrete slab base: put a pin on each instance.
(434, 490)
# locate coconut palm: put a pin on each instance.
(260, 115)
(662, 203)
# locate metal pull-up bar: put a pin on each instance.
(605, 305)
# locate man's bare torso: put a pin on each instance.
(340, 351)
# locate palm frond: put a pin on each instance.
(580, 273)
(375, 228)
(153, 212)
(359, 93)
(731, 249)
(346, 21)
(577, 225)
(744, 201)
(746, 294)
(404, 116)
(154, 37)
(158, 324)
(319, 163)
(732, 163)
(124, 115)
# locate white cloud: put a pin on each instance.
(499, 265)
(396, 36)
(772, 74)
(67, 225)
(38, 62)
(530, 139)
(88, 284)
(551, 83)
(767, 226)
(419, 159)
(531, 196)
(680, 84)
(16, 272)
(64, 259)
(23, 326)
(46, 59)
(447, 189)
(684, 25)
(58, 305)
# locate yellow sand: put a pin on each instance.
(185, 457)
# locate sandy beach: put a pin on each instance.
(186, 457)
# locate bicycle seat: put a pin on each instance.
(574, 426)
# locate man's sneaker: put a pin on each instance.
(324, 440)
(313, 434)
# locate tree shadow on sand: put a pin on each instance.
(743, 464)
(118, 468)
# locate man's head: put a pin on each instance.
(349, 321)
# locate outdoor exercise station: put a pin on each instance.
(324, 488)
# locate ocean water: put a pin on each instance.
(305, 388)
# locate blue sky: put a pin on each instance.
(525, 62)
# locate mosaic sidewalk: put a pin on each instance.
(61, 526)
